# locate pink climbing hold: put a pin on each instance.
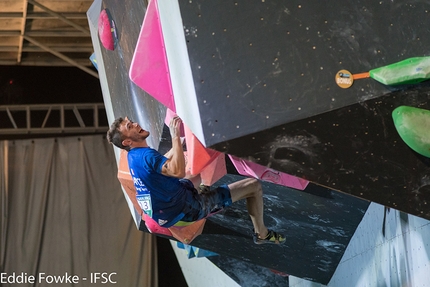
(107, 31)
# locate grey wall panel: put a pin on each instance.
(259, 64)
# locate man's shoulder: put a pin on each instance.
(141, 150)
(145, 155)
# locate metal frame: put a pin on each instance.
(52, 113)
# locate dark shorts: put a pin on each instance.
(201, 205)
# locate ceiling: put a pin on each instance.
(45, 33)
(38, 35)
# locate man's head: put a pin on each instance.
(126, 134)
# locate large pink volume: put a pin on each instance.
(149, 69)
(249, 168)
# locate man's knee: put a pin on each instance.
(254, 185)
(249, 187)
(257, 187)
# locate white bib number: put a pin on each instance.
(144, 201)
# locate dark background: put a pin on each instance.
(47, 85)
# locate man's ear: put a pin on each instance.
(126, 142)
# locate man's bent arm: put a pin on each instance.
(169, 153)
(175, 164)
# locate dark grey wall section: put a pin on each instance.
(259, 64)
(318, 224)
(355, 149)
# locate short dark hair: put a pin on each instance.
(114, 135)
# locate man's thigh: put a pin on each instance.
(208, 202)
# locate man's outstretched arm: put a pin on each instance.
(175, 164)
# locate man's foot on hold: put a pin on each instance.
(272, 237)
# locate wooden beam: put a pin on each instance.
(76, 48)
(21, 37)
(10, 15)
(43, 33)
(61, 17)
(44, 62)
(62, 56)
(42, 15)
(71, 48)
(63, 33)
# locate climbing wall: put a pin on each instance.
(318, 224)
(256, 80)
(259, 64)
(264, 75)
(355, 149)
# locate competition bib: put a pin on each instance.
(144, 201)
(142, 195)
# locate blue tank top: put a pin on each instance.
(166, 195)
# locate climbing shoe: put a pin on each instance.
(272, 237)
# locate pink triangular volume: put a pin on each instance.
(249, 168)
(149, 68)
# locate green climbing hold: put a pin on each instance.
(409, 71)
(413, 126)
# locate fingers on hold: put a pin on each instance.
(176, 120)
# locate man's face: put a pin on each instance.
(132, 131)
